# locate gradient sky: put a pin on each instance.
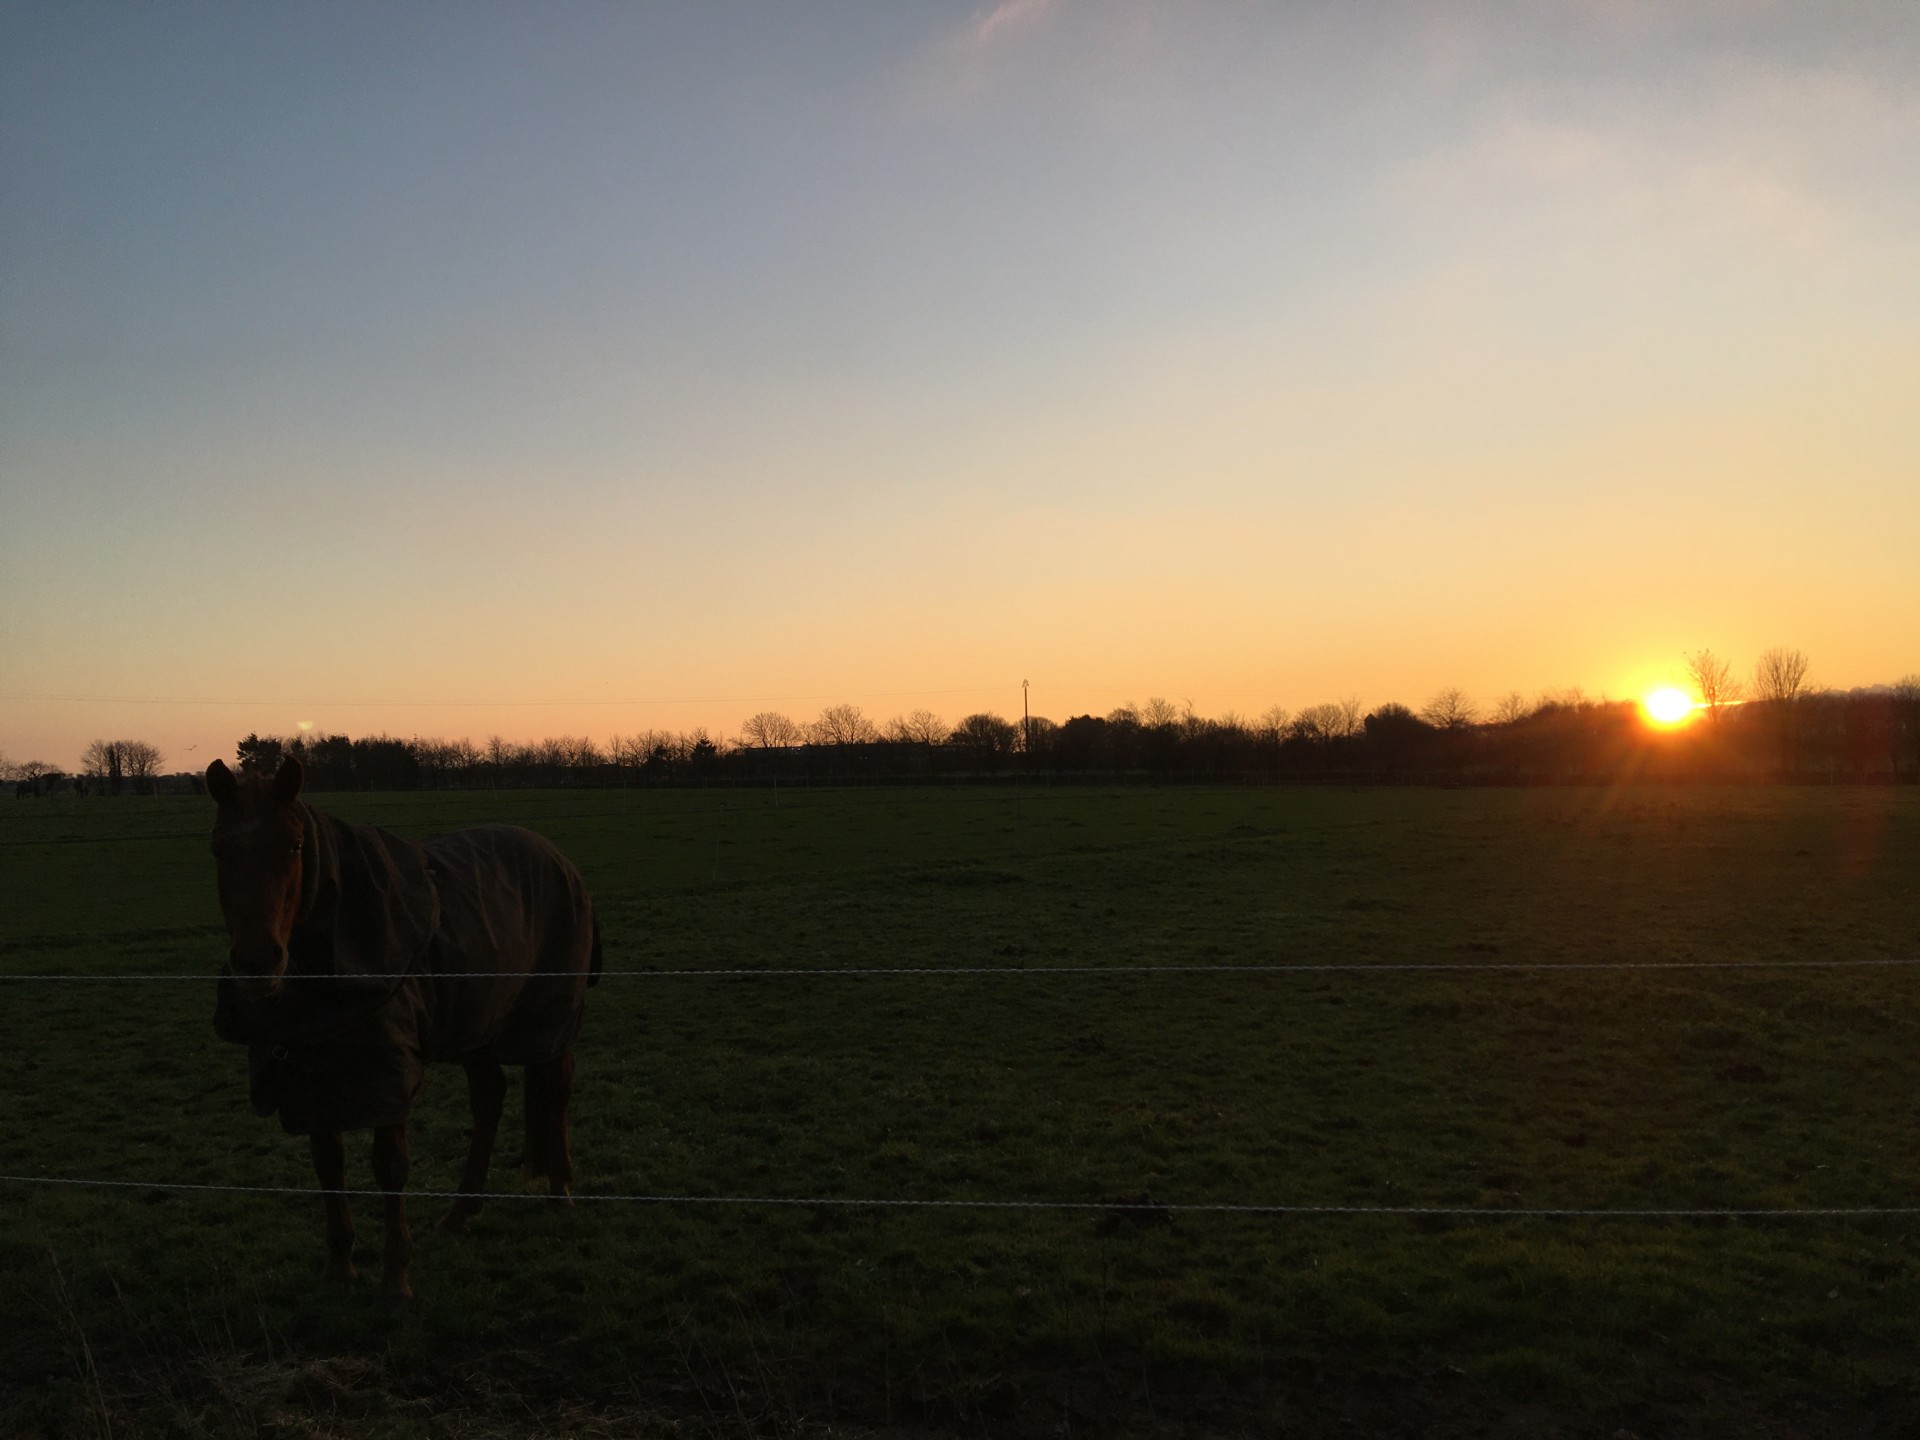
(581, 368)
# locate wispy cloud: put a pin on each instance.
(989, 25)
(1763, 161)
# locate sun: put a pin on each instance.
(1668, 706)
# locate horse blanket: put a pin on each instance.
(481, 943)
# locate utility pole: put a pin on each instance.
(1026, 721)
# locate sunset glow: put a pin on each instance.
(1668, 706)
(1254, 357)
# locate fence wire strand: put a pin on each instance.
(851, 972)
(1148, 1206)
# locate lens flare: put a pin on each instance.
(1668, 706)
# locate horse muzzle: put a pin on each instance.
(259, 974)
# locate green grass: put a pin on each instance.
(203, 1313)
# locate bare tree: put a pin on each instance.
(1450, 710)
(1320, 723)
(1353, 717)
(1713, 681)
(499, 752)
(117, 761)
(101, 761)
(1510, 709)
(770, 730)
(843, 725)
(1571, 697)
(140, 760)
(1780, 676)
(1127, 714)
(463, 755)
(1157, 712)
(1272, 723)
(922, 727)
(7, 767)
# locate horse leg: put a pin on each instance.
(330, 1164)
(549, 1088)
(487, 1089)
(390, 1170)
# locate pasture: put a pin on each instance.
(151, 1311)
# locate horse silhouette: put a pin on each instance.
(358, 957)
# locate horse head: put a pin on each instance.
(258, 835)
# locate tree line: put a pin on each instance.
(111, 766)
(1775, 727)
(1770, 725)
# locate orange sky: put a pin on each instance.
(397, 375)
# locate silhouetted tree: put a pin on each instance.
(1713, 681)
(985, 738)
(101, 760)
(1080, 744)
(701, 750)
(843, 725)
(1779, 676)
(1571, 697)
(922, 727)
(1510, 709)
(1157, 713)
(1779, 685)
(1395, 736)
(141, 762)
(260, 752)
(1906, 724)
(1449, 710)
(1318, 724)
(384, 763)
(770, 730)
(632, 752)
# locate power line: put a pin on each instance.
(491, 704)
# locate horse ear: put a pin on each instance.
(221, 784)
(286, 780)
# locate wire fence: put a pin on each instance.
(1147, 1207)
(854, 972)
(1144, 1206)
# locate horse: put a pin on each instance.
(357, 956)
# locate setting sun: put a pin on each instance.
(1668, 706)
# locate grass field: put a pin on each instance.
(149, 1311)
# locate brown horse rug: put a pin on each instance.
(479, 943)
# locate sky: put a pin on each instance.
(454, 370)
